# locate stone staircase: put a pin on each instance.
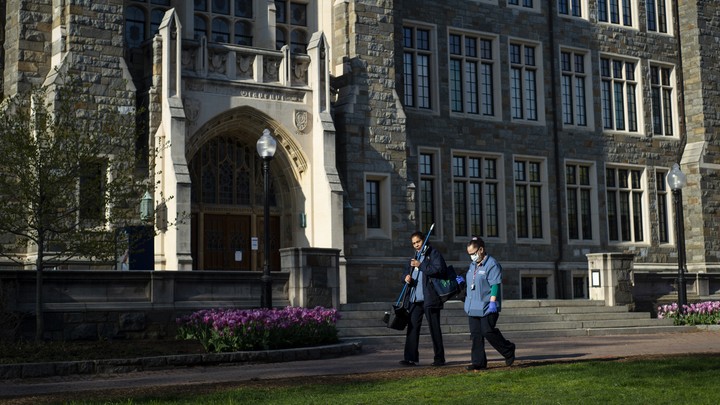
(519, 319)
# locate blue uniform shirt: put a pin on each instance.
(482, 276)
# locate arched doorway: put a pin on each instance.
(227, 207)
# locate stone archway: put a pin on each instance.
(227, 193)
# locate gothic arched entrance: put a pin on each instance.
(227, 207)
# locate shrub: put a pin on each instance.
(701, 313)
(227, 330)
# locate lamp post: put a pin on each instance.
(676, 181)
(266, 146)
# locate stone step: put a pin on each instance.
(398, 338)
(519, 318)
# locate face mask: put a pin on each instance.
(474, 257)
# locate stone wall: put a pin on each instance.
(90, 305)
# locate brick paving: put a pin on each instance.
(375, 358)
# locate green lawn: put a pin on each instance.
(691, 379)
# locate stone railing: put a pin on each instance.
(236, 62)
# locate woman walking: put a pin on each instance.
(482, 305)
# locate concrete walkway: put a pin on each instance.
(373, 359)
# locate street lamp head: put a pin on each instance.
(676, 178)
(146, 206)
(266, 145)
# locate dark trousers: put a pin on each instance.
(481, 328)
(412, 338)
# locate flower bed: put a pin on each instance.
(701, 313)
(228, 330)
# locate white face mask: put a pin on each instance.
(474, 257)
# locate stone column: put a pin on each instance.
(314, 276)
(610, 276)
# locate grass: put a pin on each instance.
(663, 380)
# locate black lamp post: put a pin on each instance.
(677, 180)
(266, 146)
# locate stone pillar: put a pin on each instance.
(314, 276)
(610, 277)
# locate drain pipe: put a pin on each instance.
(559, 176)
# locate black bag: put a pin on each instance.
(446, 287)
(398, 316)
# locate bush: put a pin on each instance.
(701, 313)
(228, 330)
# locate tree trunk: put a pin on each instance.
(39, 315)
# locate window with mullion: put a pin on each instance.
(91, 195)
(656, 11)
(475, 193)
(625, 194)
(618, 12)
(291, 25)
(571, 8)
(521, 3)
(618, 94)
(428, 180)
(661, 196)
(372, 200)
(579, 201)
(471, 75)
(529, 186)
(662, 100)
(523, 82)
(230, 21)
(417, 57)
(573, 88)
(142, 20)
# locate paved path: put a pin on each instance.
(375, 358)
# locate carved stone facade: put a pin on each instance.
(388, 96)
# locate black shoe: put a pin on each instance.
(407, 363)
(438, 363)
(473, 367)
(510, 360)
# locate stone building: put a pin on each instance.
(546, 127)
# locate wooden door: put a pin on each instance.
(223, 236)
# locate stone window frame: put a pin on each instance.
(525, 275)
(577, 9)
(480, 61)
(664, 207)
(482, 179)
(663, 85)
(522, 67)
(659, 8)
(152, 13)
(609, 76)
(93, 209)
(433, 214)
(383, 204)
(295, 34)
(232, 21)
(622, 13)
(592, 197)
(529, 184)
(411, 100)
(587, 98)
(616, 189)
(527, 5)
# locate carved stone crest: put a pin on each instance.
(301, 120)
